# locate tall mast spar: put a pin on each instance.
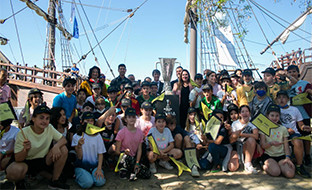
(51, 35)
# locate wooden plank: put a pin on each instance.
(47, 88)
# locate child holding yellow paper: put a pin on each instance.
(245, 135)
(276, 156)
(90, 149)
(165, 144)
(129, 140)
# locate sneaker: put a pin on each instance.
(21, 185)
(123, 173)
(250, 170)
(302, 172)
(307, 160)
(216, 169)
(195, 172)
(153, 168)
(165, 164)
(57, 184)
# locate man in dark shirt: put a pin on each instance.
(156, 76)
(179, 70)
(122, 76)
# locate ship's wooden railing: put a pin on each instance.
(294, 58)
(36, 75)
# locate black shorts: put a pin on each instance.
(264, 157)
(35, 166)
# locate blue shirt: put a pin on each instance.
(63, 101)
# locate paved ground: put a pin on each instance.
(169, 180)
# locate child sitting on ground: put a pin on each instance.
(90, 150)
(276, 156)
(165, 144)
(129, 140)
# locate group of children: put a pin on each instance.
(57, 142)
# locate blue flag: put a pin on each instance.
(76, 30)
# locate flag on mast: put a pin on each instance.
(76, 30)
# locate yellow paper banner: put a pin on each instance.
(92, 129)
(263, 124)
(5, 112)
(301, 99)
(181, 166)
(159, 98)
(206, 110)
(307, 138)
(212, 127)
(190, 157)
(119, 159)
(153, 144)
(193, 83)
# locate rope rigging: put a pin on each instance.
(18, 37)
(101, 7)
(130, 15)
(96, 39)
(281, 24)
(89, 42)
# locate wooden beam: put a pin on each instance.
(47, 88)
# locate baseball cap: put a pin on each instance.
(145, 83)
(42, 109)
(191, 110)
(34, 91)
(96, 85)
(198, 76)
(269, 70)
(153, 83)
(232, 107)
(128, 86)
(291, 67)
(274, 107)
(247, 72)
(207, 87)
(88, 103)
(125, 102)
(234, 75)
(160, 116)
(282, 92)
(87, 115)
(112, 89)
(130, 111)
(223, 77)
(68, 80)
(146, 105)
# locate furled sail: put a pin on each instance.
(224, 42)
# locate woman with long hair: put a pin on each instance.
(94, 78)
(183, 89)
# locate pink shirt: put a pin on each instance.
(130, 140)
(5, 93)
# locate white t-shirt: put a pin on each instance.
(8, 139)
(228, 100)
(121, 125)
(195, 133)
(93, 145)
(162, 139)
(92, 100)
(290, 117)
(248, 128)
(145, 126)
(192, 96)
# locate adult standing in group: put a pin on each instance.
(5, 91)
(74, 70)
(183, 89)
(94, 78)
(122, 76)
(156, 76)
(179, 70)
(212, 80)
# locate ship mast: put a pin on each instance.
(51, 35)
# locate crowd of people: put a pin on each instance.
(54, 142)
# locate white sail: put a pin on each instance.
(225, 43)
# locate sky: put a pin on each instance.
(156, 30)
